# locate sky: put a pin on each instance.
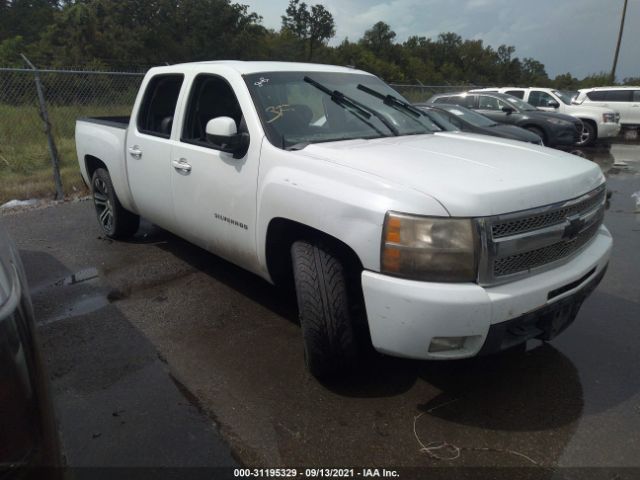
(576, 36)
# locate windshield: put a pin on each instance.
(519, 104)
(468, 115)
(295, 112)
(566, 95)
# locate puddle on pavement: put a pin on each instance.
(616, 159)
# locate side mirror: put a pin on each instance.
(508, 110)
(223, 134)
(553, 104)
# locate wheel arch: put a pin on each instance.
(93, 163)
(543, 130)
(283, 232)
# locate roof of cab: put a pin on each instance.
(248, 67)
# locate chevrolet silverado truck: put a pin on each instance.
(424, 243)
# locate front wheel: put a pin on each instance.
(588, 135)
(325, 315)
(115, 221)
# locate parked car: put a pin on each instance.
(426, 243)
(625, 100)
(555, 129)
(467, 120)
(598, 123)
(28, 435)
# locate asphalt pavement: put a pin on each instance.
(161, 354)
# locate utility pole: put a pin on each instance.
(615, 58)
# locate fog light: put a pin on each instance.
(443, 344)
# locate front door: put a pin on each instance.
(148, 150)
(214, 194)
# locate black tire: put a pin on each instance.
(588, 135)
(115, 221)
(323, 304)
(539, 132)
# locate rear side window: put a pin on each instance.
(619, 95)
(636, 95)
(516, 93)
(159, 105)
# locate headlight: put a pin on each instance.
(609, 117)
(559, 121)
(432, 249)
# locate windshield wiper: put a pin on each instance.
(392, 101)
(343, 100)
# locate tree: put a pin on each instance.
(379, 39)
(313, 26)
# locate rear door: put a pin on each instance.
(148, 149)
(214, 194)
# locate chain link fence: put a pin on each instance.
(25, 156)
(422, 93)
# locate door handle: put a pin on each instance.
(181, 165)
(135, 152)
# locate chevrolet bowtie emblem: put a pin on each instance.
(571, 231)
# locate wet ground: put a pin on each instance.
(156, 347)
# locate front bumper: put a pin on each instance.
(405, 315)
(608, 130)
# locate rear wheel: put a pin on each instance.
(326, 320)
(115, 221)
(588, 135)
(539, 132)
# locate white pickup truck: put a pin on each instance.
(424, 243)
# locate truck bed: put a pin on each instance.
(117, 122)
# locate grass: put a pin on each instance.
(25, 164)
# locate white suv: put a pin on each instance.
(598, 122)
(625, 100)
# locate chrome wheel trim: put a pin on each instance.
(585, 136)
(104, 209)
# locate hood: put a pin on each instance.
(513, 132)
(470, 175)
(545, 115)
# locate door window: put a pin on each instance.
(210, 97)
(159, 105)
(538, 98)
(489, 103)
(636, 95)
(619, 96)
(516, 93)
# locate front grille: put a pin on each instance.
(518, 243)
(554, 217)
(536, 258)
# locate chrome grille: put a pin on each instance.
(535, 222)
(518, 243)
(542, 256)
